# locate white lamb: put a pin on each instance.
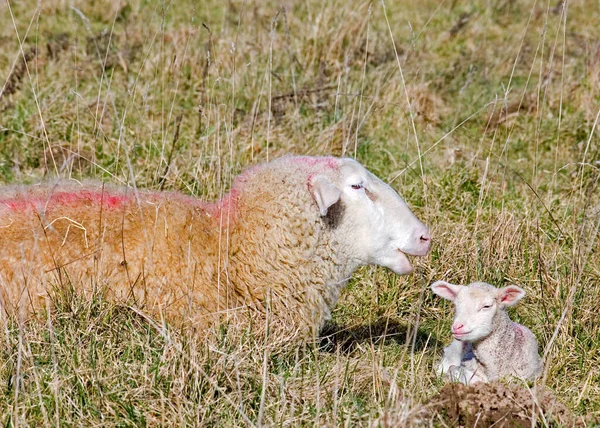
(487, 345)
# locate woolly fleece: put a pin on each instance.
(264, 244)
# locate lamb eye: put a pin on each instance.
(486, 306)
(357, 186)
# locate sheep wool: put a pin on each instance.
(285, 239)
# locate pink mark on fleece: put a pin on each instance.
(224, 209)
(329, 162)
(227, 207)
(326, 162)
(70, 199)
(520, 334)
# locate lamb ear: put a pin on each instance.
(446, 290)
(510, 295)
(325, 193)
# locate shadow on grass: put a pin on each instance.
(348, 338)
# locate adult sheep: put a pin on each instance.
(288, 236)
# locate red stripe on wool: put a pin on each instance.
(70, 199)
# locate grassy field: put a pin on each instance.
(483, 114)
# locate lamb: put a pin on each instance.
(285, 240)
(487, 345)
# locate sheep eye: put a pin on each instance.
(486, 306)
(357, 186)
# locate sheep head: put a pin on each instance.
(476, 306)
(370, 216)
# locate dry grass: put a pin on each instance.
(484, 116)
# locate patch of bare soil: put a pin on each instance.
(499, 404)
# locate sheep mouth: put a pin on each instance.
(405, 255)
(413, 253)
(400, 263)
(461, 336)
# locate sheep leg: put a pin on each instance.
(453, 355)
(472, 372)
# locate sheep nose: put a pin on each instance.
(425, 242)
(456, 327)
(418, 243)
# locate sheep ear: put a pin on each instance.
(446, 290)
(510, 295)
(325, 193)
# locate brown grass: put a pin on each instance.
(492, 138)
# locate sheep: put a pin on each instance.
(487, 345)
(284, 240)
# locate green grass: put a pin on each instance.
(503, 97)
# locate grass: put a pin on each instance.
(484, 115)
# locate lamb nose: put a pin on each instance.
(425, 238)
